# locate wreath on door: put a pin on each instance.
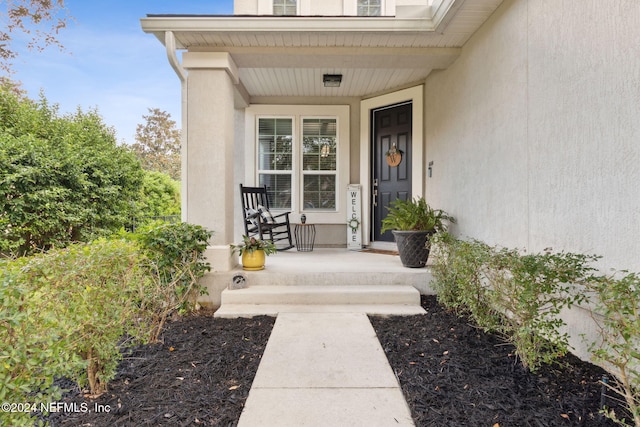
(394, 156)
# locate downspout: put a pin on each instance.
(170, 44)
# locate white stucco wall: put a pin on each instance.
(535, 137)
(535, 130)
(323, 8)
(245, 7)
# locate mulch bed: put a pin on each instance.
(452, 374)
(200, 375)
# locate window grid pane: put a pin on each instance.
(278, 189)
(319, 192)
(369, 7)
(274, 140)
(319, 144)
(285, 7)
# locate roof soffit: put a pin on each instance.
(375, 54)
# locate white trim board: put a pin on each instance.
(415, 95)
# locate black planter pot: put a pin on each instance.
(413, 247)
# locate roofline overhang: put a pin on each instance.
(159, 24)
(440, 13)
(257, 41)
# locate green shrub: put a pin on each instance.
(175, 261)
(63, 179)
(460, 279)
(34, 348)
(64, 313)
(531, 290)
(68, 312)
(618, 320)
(159, 197)
(518, 296)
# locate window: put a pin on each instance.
(369, 7)
(275, 164)
(285, 7)
(301, 154)
(319, 170)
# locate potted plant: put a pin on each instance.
(253, 252)
(412, 223)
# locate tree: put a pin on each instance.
(39, 20)
(160, 195)
(158, 143)
(62, 178)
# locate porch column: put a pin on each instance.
(210, 145)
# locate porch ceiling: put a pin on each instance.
(287, 56)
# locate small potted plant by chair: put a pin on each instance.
(253, 252)
(412, 223)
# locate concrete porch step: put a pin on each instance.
(274, 299)
(233, 311)
(417, 278)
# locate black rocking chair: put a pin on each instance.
(258, 220)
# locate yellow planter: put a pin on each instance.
(253, 260)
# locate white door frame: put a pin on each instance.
(415, 95)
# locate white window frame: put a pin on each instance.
(382, 10)
(294, 162)
(304, 172)
(299, 112)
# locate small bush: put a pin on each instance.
(175, 260)
(618, 306)
(531, 290)
(67, 313)
(33, 350)
(64, 313)
(518, 296)
(460, 280)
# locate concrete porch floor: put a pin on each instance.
(340, 260)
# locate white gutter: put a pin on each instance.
(170, 44)
(278, 24)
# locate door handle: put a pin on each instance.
(375, 192)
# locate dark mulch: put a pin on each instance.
(452, 374)
(199, 375)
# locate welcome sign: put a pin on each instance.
(354, 218)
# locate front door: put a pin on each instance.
(391, 162)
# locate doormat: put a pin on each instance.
(380, 251)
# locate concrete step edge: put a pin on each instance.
(252, 310)
(323, 295)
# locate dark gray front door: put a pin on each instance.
(392, 129)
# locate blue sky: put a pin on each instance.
(110, 63)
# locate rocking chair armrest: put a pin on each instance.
(283, 214)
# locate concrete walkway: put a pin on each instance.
(324, 369)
